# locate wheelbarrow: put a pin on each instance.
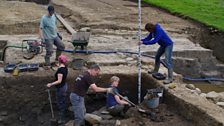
(80, 39)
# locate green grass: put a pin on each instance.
(209, 12)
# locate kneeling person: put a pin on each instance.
(115, 105)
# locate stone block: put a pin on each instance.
(93, 119)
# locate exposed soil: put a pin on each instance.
(103, 17)
(26, 103)
(209, 38)
(104, 14)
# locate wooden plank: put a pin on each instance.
(67, 26)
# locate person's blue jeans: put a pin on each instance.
(168, 50)
(79, 109)
(61, 100)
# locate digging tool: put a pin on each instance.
(53, 121)
(133, 104)
(151, 115)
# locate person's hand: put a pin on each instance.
(139, 43)
(59, 35)
(125, 98)
(49, 85)
(110, 90)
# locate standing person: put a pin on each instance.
(115, 105)
(158, 35)
(48, 35)
(61, 86)
(80, 87)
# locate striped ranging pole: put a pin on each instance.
(139, 52)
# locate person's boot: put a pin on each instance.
(170, 77)
(58, 53)
(155, 70)
(47, 64)
(61, 119)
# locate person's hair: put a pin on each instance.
(50, 9)
(114, 78)
(95, 67)
(62, 59)
(149, 26)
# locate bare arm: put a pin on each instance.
(98, 89)
(41, 33)
(60, 76)
(119, 101)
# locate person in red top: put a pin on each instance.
(61, 86)
(80, 87)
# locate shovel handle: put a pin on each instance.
(139, 109)
(126, 100)
(49, 98)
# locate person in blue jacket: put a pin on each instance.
(115, 105)
(158, 35)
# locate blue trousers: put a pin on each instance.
(168, 50)
(79, 109)
(61, 100)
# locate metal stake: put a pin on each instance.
(139, 52)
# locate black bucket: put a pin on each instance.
(78, 63)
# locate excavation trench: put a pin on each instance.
(24, 101)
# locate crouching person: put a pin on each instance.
(115, 105)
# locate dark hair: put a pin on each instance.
(149, 26)
(50, 9)
(95, 67)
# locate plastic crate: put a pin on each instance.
(23, 67)
(9, 68)
(33, 67)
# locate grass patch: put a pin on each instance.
(209, 12)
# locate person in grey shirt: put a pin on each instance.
(48, 35)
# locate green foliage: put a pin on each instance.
(209, 12)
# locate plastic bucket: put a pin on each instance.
(153, 103)
(78, 63)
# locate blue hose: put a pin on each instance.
(203, 79)
(126, 52)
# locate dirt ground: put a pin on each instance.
(122, 14)
(114, 25)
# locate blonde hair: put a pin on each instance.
(114, 78)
